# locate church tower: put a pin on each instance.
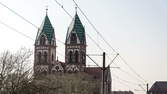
(75, 46)
(45, 48)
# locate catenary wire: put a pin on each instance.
(24, 20)
(16, 30)
(93, 26)
(71, 17)
(95, 30)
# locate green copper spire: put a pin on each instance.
(77, 26)
(46, 29)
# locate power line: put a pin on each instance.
(59, 40)
(71, 18)
(93, 26)
(95, 30)
(121, 82)
(113, 59)
(127, 73)
(23, 19)
(124, 80)
(132, 69)
(95, 43)
(16, 31)
(18, 15)
(128, 82)
(63, 8)
(92, 60)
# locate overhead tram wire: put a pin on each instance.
(16, 30)
(106, 41)
(95, 43)
(18, 15)
(128, 82)
(122, 83)
(93, 61)
(63, 8)
(8, 26)
(31, 23)
(93, 26)
(95, 30)
(72, 18)
(86, 34)
(132, 69)
(23, 19)
(37, 27)
(127, 73)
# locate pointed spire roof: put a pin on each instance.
(77, 26)
(47, 29)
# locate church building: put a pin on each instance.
(75, 52)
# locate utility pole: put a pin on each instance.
(103, 69)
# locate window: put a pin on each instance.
(45, 57)
(76, 57)
(52, 57)
(70, 57)
(42, 40)
(83, 58)
(39, 57)
(73, 38)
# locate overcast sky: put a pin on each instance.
(136, 29)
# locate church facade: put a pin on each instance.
(75, 52)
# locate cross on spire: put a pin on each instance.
(76, 9)
(46, 9)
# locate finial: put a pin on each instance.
(76, 9)
(46, 9)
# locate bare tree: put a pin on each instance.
(65, 83)
(14, 70)
(16, 78)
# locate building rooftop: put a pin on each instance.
(159, 86)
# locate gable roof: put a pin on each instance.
(47, 29)
(159, 86)
(77, 26)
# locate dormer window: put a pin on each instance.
(73, 38)
(42, 40)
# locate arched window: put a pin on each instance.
(70, 57)
(73, 38)
(42, 40)
(76, 57)
(52, 57)
(83, 57)
(45, 57)
(39, 57)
